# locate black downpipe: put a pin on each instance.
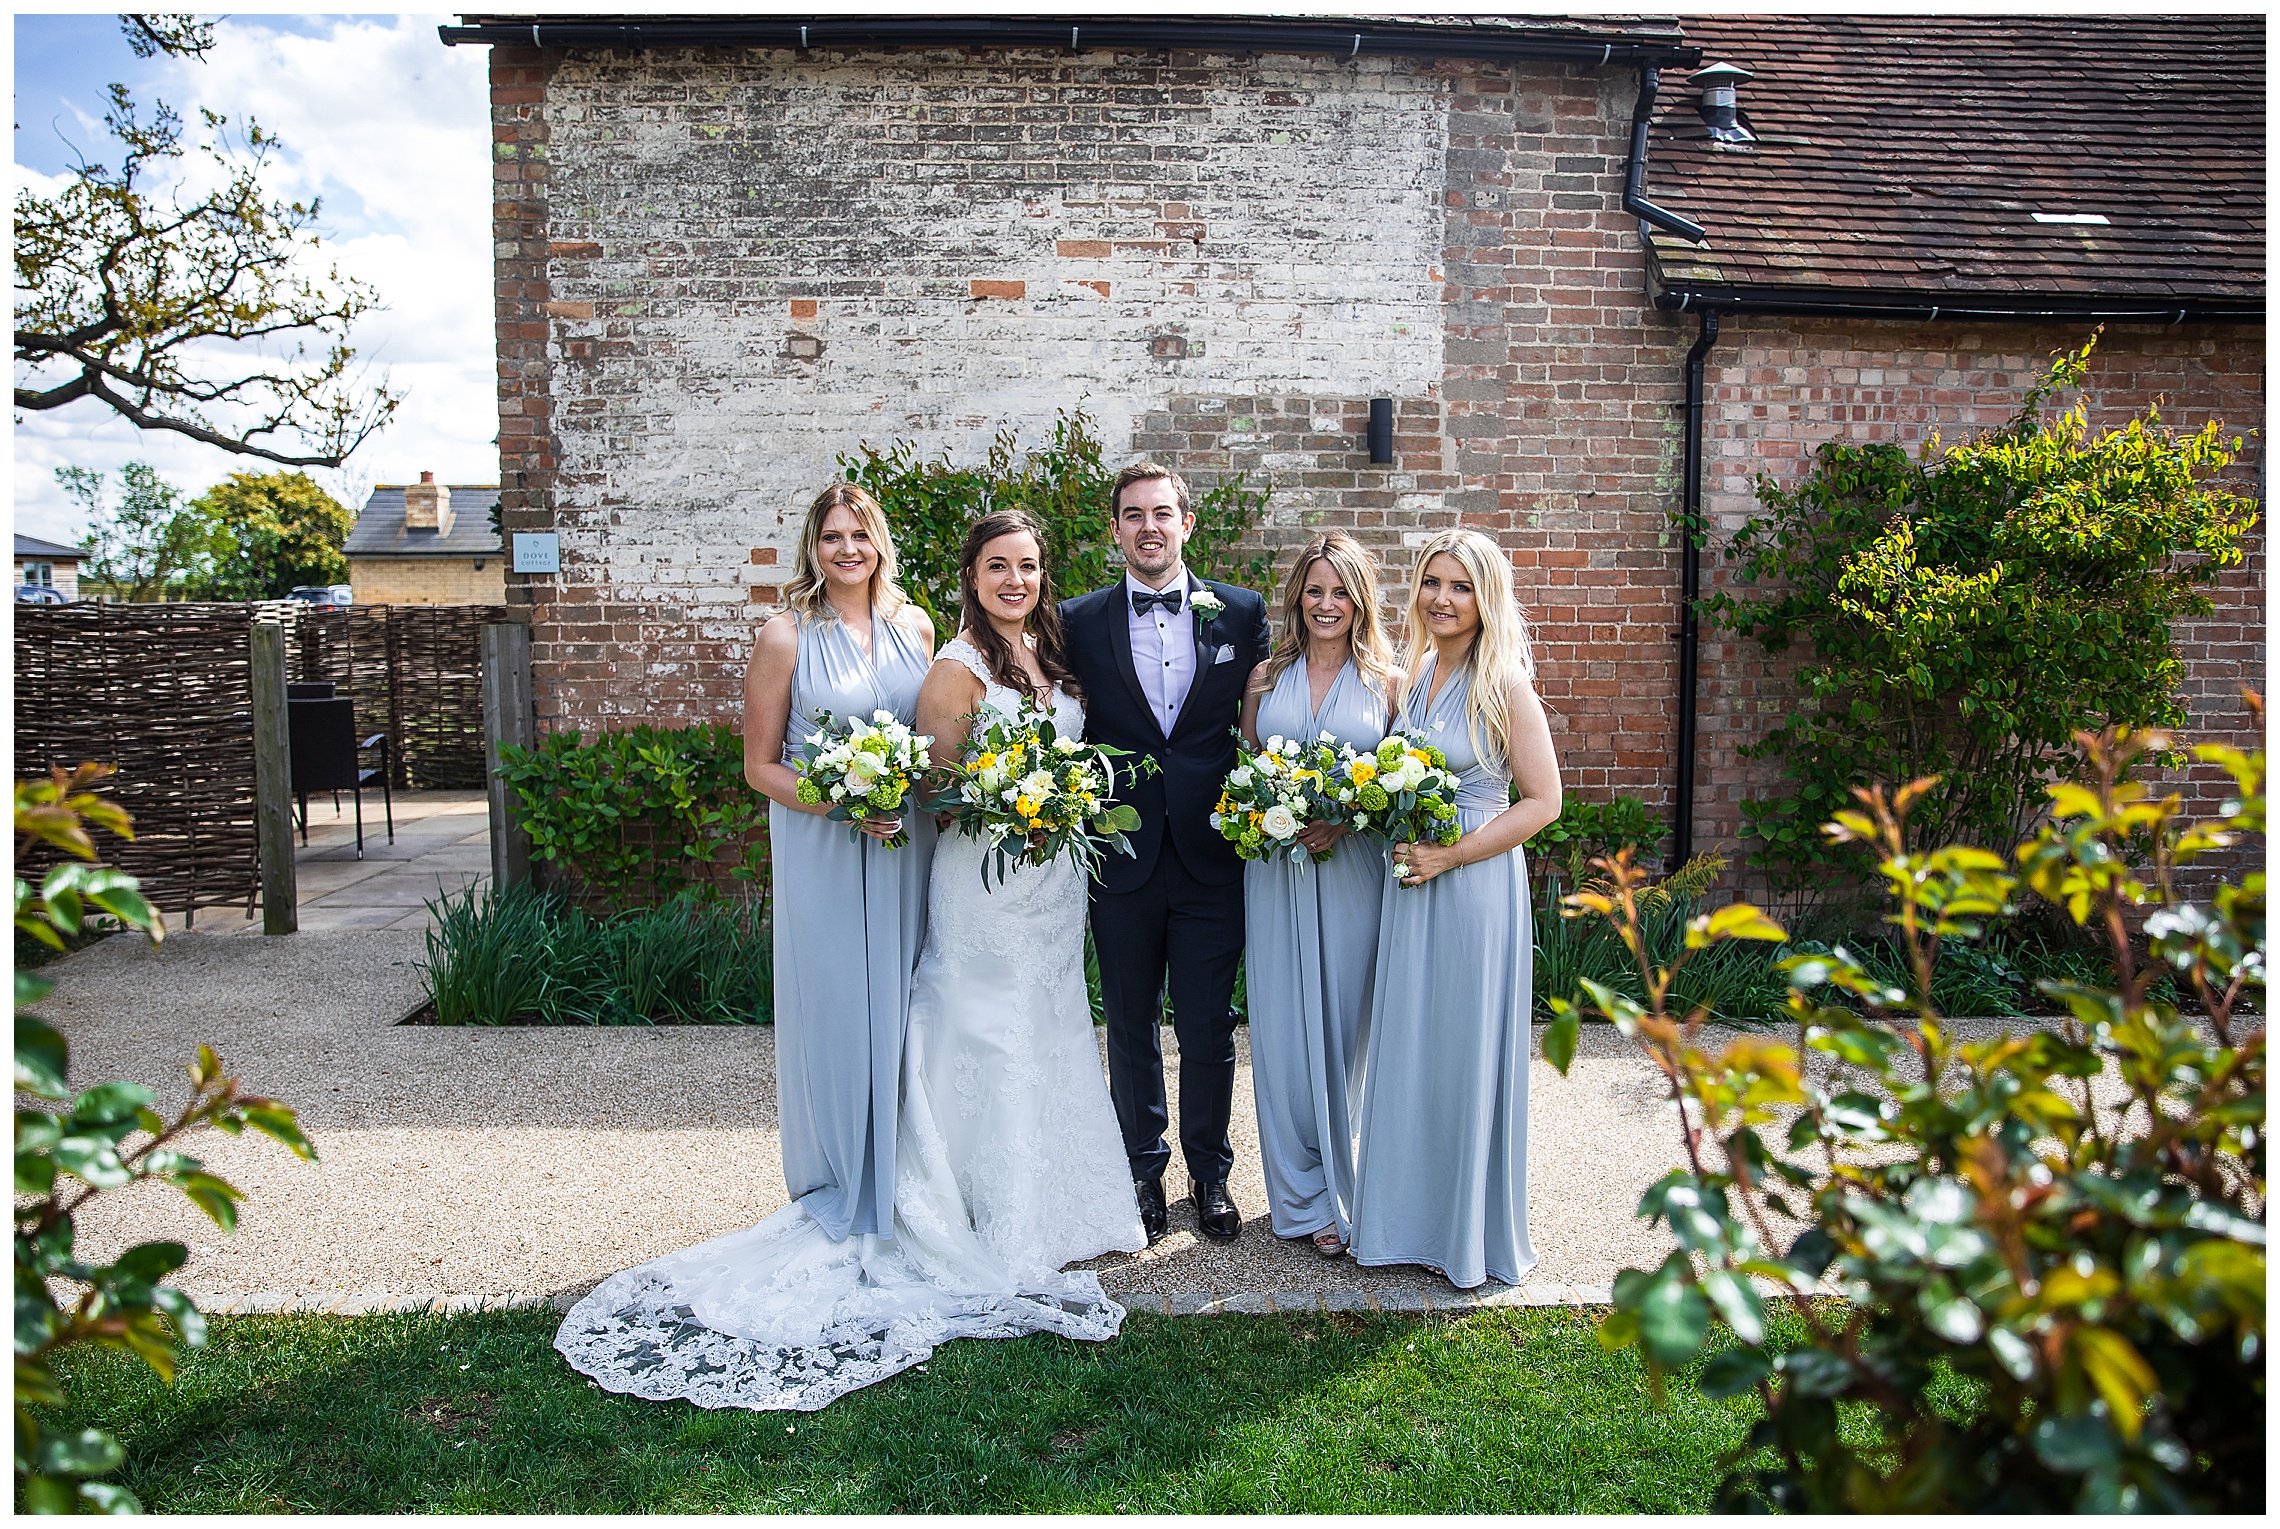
(1635, 177)
(1690, 592)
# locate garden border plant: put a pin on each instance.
(2094, 1274)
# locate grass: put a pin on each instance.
(1502, 1411)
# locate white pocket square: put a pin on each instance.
(1225, 655)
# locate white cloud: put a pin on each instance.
(392, 131)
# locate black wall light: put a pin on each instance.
(1381, 431)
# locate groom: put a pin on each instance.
(1163, 657)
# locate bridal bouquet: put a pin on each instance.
(864, 769)
(1402, 792)
(1270, 795)
(1031, 795)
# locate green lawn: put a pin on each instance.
(1507, 1411)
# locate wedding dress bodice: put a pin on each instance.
(1068, 712)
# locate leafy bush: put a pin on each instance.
(2092, 1268)
(649, 812)
(1586, 830)
(520, 956)
(1966, 612)
(1735, 984)
(1066, 486)
(66, 1157)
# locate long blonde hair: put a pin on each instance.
(1501, 655)
(804, 591)
(1350, 562)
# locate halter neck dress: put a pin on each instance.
(1310, 947)
(1443, 1173)
(850, 917)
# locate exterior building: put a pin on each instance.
(730, 249)
(50, 565)
(427, 543)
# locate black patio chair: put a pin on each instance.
(308, 690)
(328, 756)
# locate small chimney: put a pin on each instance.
(1721, 112)
(427, 506)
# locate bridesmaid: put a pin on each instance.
(850, 913)
(1310, 931)
(1443, 1174)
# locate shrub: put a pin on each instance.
(2092, 1270)
(649, 812)
(1066, 486)
(517, 955)
(1967, 612)
(1586, 830)
(66, 1157)
(1735, 983)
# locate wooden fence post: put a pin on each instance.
(273, 782)
(509, 716)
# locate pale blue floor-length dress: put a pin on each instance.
(850, 918)
(1310, 950)
(1443, 1173)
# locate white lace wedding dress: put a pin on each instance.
(1009, 1165)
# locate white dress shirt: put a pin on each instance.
(1163, 649)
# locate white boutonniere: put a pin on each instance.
(1207, 604)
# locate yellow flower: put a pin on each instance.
(985, 760)
(1364, 771)
(1419, 757)
(1253, 818)
(1025, 807)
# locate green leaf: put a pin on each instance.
(1816, 1372)
(42, 1058)
(151, 1261)
(109, 1497)
(1673, 1316)
(1733, 1373)
(94, 1160)
(1560, 1039)
(86, 1452)
(107, 1103)
(212, 1195)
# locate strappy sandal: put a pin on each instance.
(1328, 1243)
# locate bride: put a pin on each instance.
(1008, 1162)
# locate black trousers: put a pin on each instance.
(1197, 929)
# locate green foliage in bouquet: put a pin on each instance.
(1030, 795)
(1066, 485)
(2089, 1262)
(644, 813)
(67, 1156)
(1964, 613)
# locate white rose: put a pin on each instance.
(1066, 745)
(1207, 604)
(1267, 764)
(1037, 786)
(882, 716)
(1278, 822)
(1361, 822)
(1275, 744)
(1239, 777)
(863, 769)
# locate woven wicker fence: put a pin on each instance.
(415, 672)
(165, 693)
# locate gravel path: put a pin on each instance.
(526, 1164)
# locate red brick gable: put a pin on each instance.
(1908, 154)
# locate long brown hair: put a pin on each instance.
(803, 592)
(1044, 619)
(1353, 566)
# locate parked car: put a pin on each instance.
(39, 594)
(325, 597)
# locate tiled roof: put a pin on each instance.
(1908, 154)
(379, 529)
(32, 546)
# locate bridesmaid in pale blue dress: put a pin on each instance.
(1310, 930)
(850, 913)
(1443, 1174)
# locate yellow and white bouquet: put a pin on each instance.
(863, 769)
(1030, 795)
(1402, 792)
(1272, 793)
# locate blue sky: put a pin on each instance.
(383, 123)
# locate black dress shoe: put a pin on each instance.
(1215, 1213)
(1153, 1218)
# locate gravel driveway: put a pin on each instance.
(526, 1164)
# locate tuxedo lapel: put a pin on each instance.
(1116, 615)
(1206, 645)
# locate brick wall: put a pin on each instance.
(717, 271)
(428, 580)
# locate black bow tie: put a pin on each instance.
(1169, 599)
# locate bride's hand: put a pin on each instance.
(881, 829)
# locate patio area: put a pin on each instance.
(442, 845)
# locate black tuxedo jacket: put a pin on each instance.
(1177, 801)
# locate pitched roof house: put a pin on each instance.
(427, 543)
(730, 248)
(51, 565)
